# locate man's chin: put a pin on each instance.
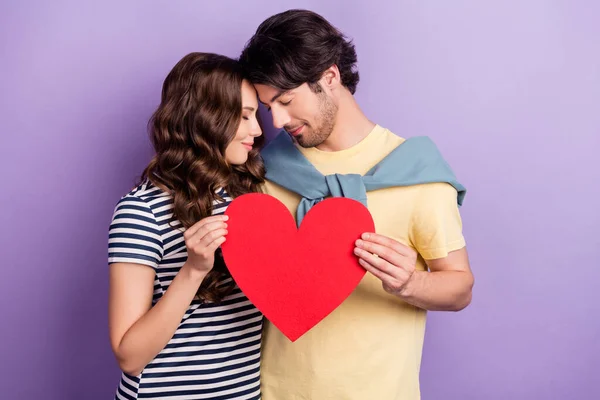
(300, 140)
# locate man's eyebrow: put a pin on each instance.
(277, 95)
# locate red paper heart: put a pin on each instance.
(296, 277)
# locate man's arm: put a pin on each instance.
(447, 286)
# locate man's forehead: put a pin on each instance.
(266, 88)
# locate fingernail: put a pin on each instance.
(366, 236)
(356, 251)
(359, 242)
(225, 217)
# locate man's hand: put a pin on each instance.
(387, 259)
(447, 286)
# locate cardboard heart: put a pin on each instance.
(296, 277)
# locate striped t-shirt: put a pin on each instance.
(215, 352)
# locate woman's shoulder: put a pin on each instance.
(148, 196)
(148, 193)
(136, 230)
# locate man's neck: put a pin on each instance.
(351, 126)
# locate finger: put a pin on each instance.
(207, 228)
(378, 263)
(387, 253)
(216, 243)
(383, 277)
(194, 228)
(211, 236)
(390, 283)
(204, 222)
(388, 242)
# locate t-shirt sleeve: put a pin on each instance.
(134, 235)
(436, 224)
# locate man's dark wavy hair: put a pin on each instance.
(296, 47)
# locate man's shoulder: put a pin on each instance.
(393, 140)
(417, 147)
(410, 149)
(388, 136)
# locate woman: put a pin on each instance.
(179, 326)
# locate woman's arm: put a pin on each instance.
(138, 332)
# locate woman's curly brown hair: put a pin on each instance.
(199, 114)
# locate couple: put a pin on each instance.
(180, 327)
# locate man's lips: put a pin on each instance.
(296, 131)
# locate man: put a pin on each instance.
(370, 347)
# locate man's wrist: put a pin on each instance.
(407, 291)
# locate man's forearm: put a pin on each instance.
(439, 290)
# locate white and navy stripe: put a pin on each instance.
(215, 352)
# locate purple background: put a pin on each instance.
(509, 90)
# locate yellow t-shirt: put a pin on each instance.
(370, 347)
